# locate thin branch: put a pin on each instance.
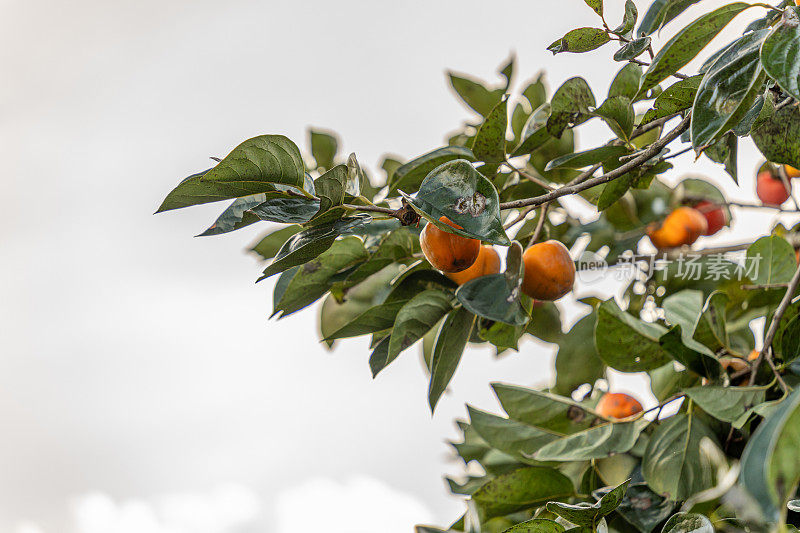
(540, 223)
(529, 177)
(519, 218)
(783, 103)
(653, 150)
(773, 327)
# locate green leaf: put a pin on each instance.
(690, 353)
(475, 94)
(534, 132)
(253, 167)
(459, 192)
(724, 151)
(677, 97)
(629, 20)
(614, 190)
(643, 508)
(497, 296)
(617, 112)
(409, 176)
(674, 464)
(587, 158)
(450, 343)
(580, 40)
(632, 50)
(521, 489)
(688, 523)
(536, 525)
(577, 361)
(330, 188)
(770, 470)
(231, 218)
(596, 5)
(780, 54)
(313, 279)
(687, 43)
(543, 409)
(727, 91)
(662, 12)
(570, 105)
(376, 318)
(294, 210)
(516, 439)
(726, 403)
(778, 136)
(324, 146)
(775, 258)
(489, 144)
(413, 321)
(596, 442)
(684, 308)
(626, 82)
(310, 243)
(626, 343)
(269, 244)
(790, 340)
(589, 514)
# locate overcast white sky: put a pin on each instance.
(141, 384)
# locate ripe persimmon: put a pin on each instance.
(791, 172)
(447, 251)
(681, 227)
(618, 405)
(770, 189)
(549, 271)
(716, 217)
(488, 262)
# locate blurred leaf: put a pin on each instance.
(674, 463)
(313, 279)
(688, 523)
(253, 167)
(626, 343)
(626, 82)
(570, 104)
(489, 144)
(523, 488)
(580, 40)
(324, 146)
(450, 343)
(588, 514)
(677, 97)
(310, 243)
(475, 94)
(594, 443)
(687, 43)
(534, 132)
(459, 192)
(536, 525)
(780, 55)
(727, 90)
(690, 353)
(643, 508)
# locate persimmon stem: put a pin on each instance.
(653, 150)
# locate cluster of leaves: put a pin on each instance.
(725, 457)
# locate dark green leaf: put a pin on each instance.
(489, 144)
(662, 12)
(629, 20)
(253, 167)
(643, 508)
(459, 192)
(450, 343)
(674, 464)
(688, 523)
(724, 151)
(310, 243)
(413, 321)
(633, 49)
(521, 489)
(580, 40)
(690, 353)
(324, 146)
(543, 409)
(570, 105)
(778, 136)
(509, 436)
(675, 98)
(589, 514)
(596, 442)
(596, 5)
(534, 132)
(726, 403)
(626, 82)
(294, 210)
(790, 339)
(626, 343)
(780, 54)
(231, 218)
(687, 43)
(269, 245)
(409, 176)
(475, 94)
(536, 525)
(614, 190)
(727, 91)
(617, 112)
(577, 361)
(587, 158)
(330, 187)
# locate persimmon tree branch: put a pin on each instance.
(649, 153)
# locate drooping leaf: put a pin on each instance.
(253, 167)
(633, 49)
(690, 353)
(310, 243)
(577, 361)
(521, 489)
(459, 192)
(489, 144)
(617, 112)
(580, 40)
(674, 464)
(724, 151)
(293, 210)
(687, 43)
(675, 98)
(450, 343)
(596, 5)
(626, 343)
(625, 29)
(688, 523)
(728, 90)
(570, 105)
(594, 443)
(409, 176)
(780, 54)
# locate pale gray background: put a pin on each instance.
(142, 387)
